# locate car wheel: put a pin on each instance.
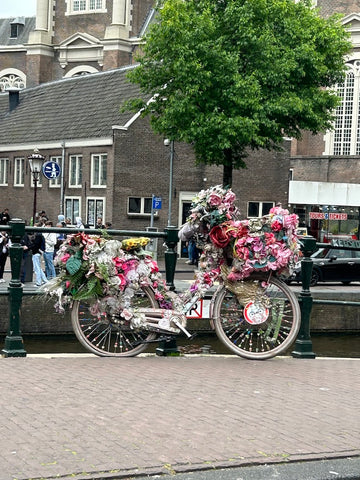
(315, 277)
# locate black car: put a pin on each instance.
(333, 265)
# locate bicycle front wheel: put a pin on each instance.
(110, 336)
(257, 318)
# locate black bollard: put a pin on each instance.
(14, 345)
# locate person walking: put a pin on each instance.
(4, 252)
(37, 246)
(50, 242)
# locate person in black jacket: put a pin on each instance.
(4, 252)
(37, 247)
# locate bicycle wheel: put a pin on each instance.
(258, 319)
(110, 336)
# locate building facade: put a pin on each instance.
(112, 163)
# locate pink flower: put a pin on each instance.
(230, 197)
(122, 281)
(65, 257)
(214, 199)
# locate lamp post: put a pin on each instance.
(168, 142)
(36, 161)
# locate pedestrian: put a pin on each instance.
(99, 223)
(193, 252)
(79, 223)
(61, 220)
(42, 216)
(4, 252)
(37, 247)
(50, 242)
(108, 225)
(4, 217)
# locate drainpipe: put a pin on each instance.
(62, 178)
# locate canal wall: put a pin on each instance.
(37, 315)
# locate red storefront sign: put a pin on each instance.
(327, 216)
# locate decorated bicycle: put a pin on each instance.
(120, 303)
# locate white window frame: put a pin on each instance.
(93, 211)
(99, 178)
(55, 182)
(80, 7)
(260, 203)
(142, 207)
(19, 171)
(4, 171)
(70, 200)
(75, 182)
(344, 139)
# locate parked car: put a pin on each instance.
(332, 265)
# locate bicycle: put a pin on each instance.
(120, 303)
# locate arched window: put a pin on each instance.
(80, 70)
(10, 78)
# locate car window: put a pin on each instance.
(339, 253)
(356, 253)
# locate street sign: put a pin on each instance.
(156, 203)
(51, 170)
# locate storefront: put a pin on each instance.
(327, 210)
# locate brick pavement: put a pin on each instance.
(87, 417)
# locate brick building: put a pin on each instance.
(112, 162)
(324, 169)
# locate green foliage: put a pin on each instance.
(230, 75)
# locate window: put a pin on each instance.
(14, 30)
(55, 182)
(87, 6)
(75, 171)
(258, 209)
(345, 139)
(95, 209)
(72, 208)
(98, 170)
(12, 78)
(19, 164)
(4, 167)
(139, 205)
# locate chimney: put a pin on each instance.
(14, 99)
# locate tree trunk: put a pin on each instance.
(228, 169)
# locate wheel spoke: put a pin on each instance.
(262, 327)
(108, 335)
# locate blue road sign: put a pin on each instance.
(51, 170)
(156, 203)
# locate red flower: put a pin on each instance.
(276, 226)
(220, 235)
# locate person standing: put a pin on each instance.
(37, 246)
(4, 217)
(25, 243)
(50, 242)
(4, 252)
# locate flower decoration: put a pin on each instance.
(108, 270)
(257, 244)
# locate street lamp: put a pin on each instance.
(36, 161)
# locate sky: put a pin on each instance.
(17, 8)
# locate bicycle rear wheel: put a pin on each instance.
(109, 336)
(258, 319)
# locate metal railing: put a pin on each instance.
(303, 343)
(14, 345)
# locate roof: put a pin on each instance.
(24, 30)
(84, 107)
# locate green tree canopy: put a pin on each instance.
(228, 76)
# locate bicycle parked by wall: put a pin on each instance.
(120, 303)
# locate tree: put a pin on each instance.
(228, 76)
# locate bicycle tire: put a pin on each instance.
(112, 337)
(278, 323)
